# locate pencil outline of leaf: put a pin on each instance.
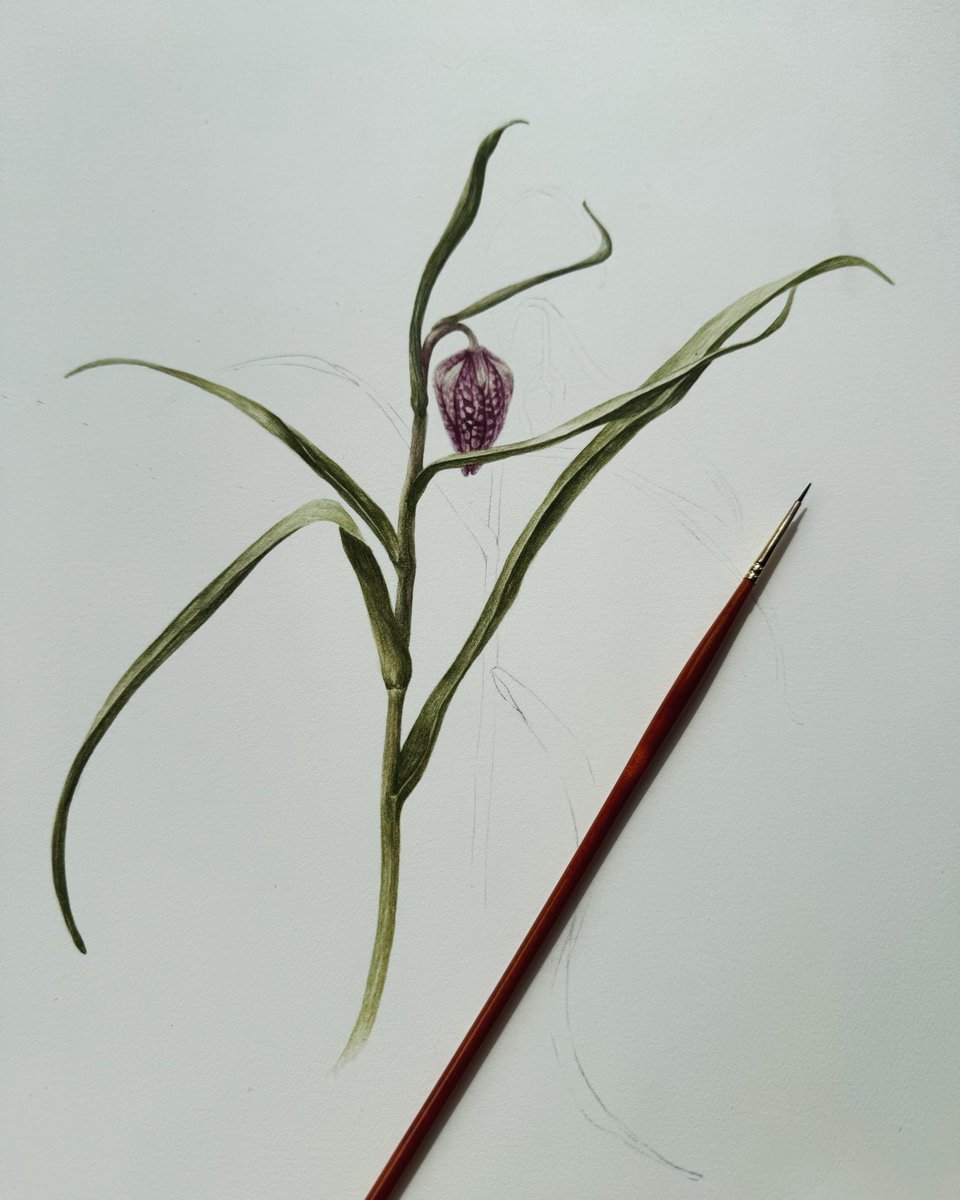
(616, 433)
(558, 764)
(600, 255)
(507, 685)
(393, 656)
(322, 464)
(696, 353)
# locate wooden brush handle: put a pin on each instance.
(664, 720)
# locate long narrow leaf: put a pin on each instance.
(680, 372)
(705, 345)
(601, 254)
(326, 467)
(394, 659)
(464, 214)
(395, 666)
(646, 399)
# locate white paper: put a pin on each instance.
(762, 983)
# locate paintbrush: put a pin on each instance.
(664, 721)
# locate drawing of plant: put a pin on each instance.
(473, 388)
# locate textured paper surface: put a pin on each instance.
(762, 987)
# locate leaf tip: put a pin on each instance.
(89, 366)
(496, 135)
(876, 270)
(854, 260)
(75, 935)
(60, 884)
(606, 245)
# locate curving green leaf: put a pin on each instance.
(601, 254)
(312, 455)
(679, 374)
(705, 345)
(394, 658)
(464, 214)
(645, 399)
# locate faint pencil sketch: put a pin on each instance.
(473, 389)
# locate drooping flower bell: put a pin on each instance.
(473, 391)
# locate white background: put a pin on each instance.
(763, 986)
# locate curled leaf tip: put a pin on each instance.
(493, 138)
(854, 260)
(601, 254)
(606, 244)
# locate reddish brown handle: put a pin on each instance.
(653, 738)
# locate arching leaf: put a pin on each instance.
(312, 455)
(678, 374)
(464, 214)
(705, 345)
(601, 254)
(394, 659)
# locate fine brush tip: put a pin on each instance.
(764, 556)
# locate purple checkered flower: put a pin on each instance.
(473, 390)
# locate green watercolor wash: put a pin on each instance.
(616, 422)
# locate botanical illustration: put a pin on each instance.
(472, 389)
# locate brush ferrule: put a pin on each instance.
(767, 552)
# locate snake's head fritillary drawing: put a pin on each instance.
(473, 391)
(474, 388)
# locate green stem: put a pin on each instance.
(389, 800)
(389, 880)
(406, 521)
